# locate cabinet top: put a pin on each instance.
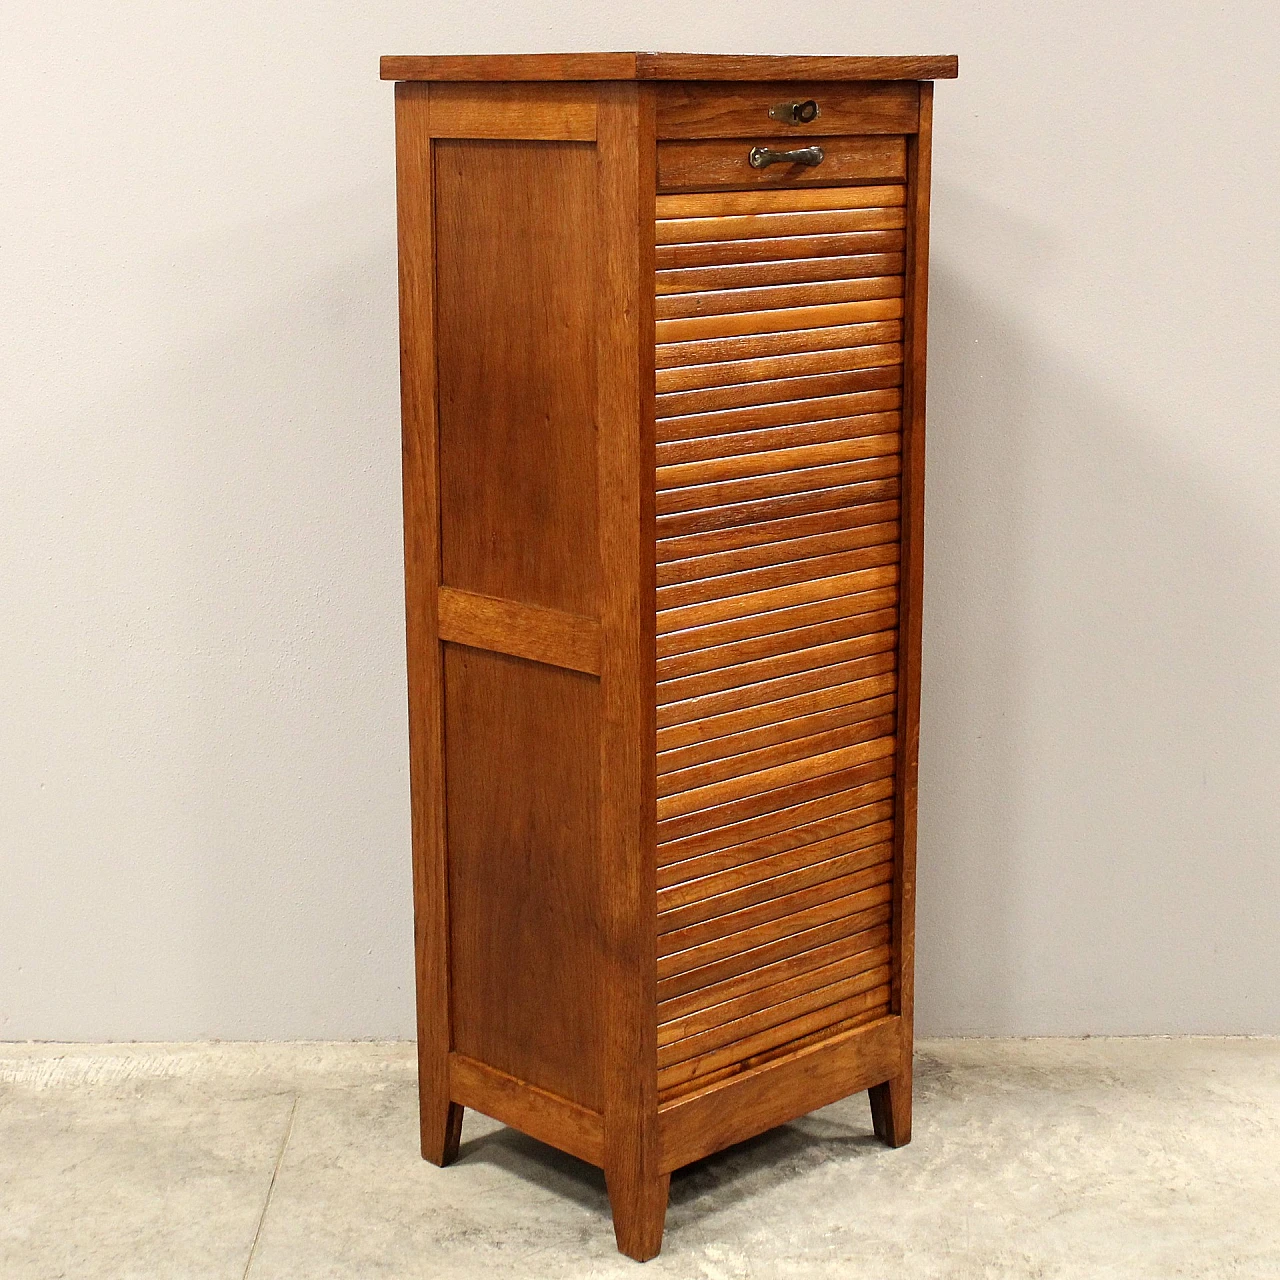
(664, 66)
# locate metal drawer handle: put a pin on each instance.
(759, 157)
(795, 112)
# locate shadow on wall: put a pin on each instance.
(1100, 729)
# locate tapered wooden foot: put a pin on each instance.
(441, 1131)
(891, 1110)
(639, 1213)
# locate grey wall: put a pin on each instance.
(203, 795)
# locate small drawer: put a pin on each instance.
(726, 162)
(703, 110)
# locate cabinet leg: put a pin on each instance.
(441, 1130)
(891, 1110)
(639, 1213)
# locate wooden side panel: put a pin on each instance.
(624, 335)
(522, 771)
(778, 549)
(517, 233)
(441, 1119)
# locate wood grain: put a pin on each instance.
(440, 1118)
(820, 953)
(692, 110)
(625, 441)
(789, 365)
(782, 320)
(751, 675)
(785, 873)
(855, 930)
(678, 838)
(663, 66)
(525, 999)
(738, 253)
(524, 631)
(562, 112)
(700, 163)
(869, 504)
(516, 396)
(752, 346)
(542, 1115)
(808, 270)
(776, 732)
(833, 497)
(715, 207)
(866, 696)
(882, 282)
(691, 878)
(872, 209)
(772, 1093)
(815, 546)
(721, 793)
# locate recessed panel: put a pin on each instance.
(522, 787)
(516, 265)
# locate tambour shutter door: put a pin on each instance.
(779, 376)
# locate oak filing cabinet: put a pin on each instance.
(663, 356)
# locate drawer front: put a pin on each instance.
(779, 376)
(725, 162)
(695, 110)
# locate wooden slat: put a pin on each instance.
(770, 439)
(699, 615)
(750, 683)
(741, 559)
(680, 882)
(726, 822)
(770, 1093)
(750, 648)
(823, 949)
(736, 950)
(802, 569)
(882, 211)
(522, 630)
(778, 753)
(809, 270)
(770, 818)
(870, 695)
(777, 1025)
(777, 731)
(875, 391)
(782, 908)
(771, 487)
(802, 271)
(755, 1012)
(782, 874)
(847, 929)
(885, 284)
(775, 462)
(779, 320)
(718, 205)
(546, 1116)
(722, 793)
(671, 355)
(715, 253)
(801, 364)
(533, 111)
(871, 503)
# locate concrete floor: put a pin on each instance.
(1062, 1158)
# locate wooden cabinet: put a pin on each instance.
(663, 424)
